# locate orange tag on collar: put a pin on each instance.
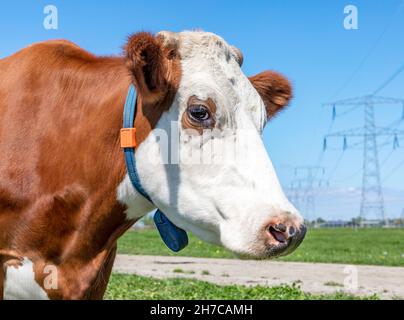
(128, 137)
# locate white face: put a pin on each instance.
(237, 201)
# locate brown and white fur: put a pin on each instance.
(65, 197)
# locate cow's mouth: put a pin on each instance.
(278, 235)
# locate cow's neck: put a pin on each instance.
(91, 250)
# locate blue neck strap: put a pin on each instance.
(174, 237)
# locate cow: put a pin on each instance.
(65, 195)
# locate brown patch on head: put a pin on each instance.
(198, 107)
(154, 63)
(274, 89)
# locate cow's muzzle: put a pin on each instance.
(282, 239)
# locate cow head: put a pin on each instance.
(201, 156)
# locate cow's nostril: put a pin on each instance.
(280, 227)
(277, 235)
(292, 231)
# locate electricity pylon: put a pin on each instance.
(372, 203)
(306, 181)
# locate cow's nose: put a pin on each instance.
(280, 232)
(283, 237)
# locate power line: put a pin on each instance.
(349, 101)
(393, 171)
(372, 195)
(350, 176)
(303, 187)
(369, 53)
(347, 111)
(387, 158)
(390, 79)
(394, 124)
(336, 165)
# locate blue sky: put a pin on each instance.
(305, 40)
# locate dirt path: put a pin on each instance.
(387, 282)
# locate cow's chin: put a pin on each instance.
(249, 249)
(253, 252)
(256, 245)
(256, 252)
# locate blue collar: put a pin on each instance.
(174, 237)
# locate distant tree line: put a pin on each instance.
(355, 222)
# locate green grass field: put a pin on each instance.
(143, 288)
(362, 246)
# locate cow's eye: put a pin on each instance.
(199, 112)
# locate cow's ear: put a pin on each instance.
(149, 61)
(274, 89)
